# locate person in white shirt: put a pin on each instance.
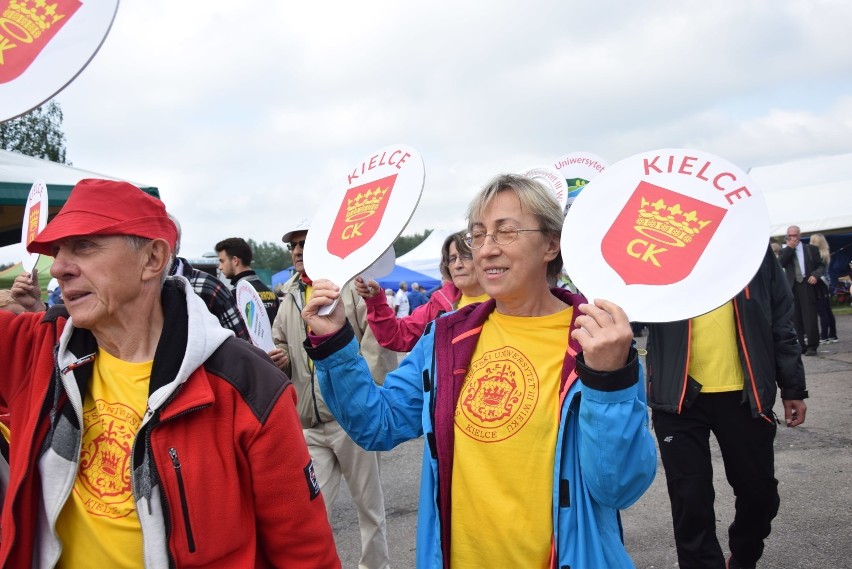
(402, 305)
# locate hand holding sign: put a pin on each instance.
(668, 235)
(361, 218)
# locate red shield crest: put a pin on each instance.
(32, 225)
(359, 216)
(659, 235)
(26, 26)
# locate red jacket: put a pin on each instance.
(221, 473)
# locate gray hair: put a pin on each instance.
(137, 243)
(534, 198)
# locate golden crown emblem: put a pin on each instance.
(364, 204)
(33, 16)
(668, 224)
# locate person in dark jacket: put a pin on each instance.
(720, 373)
(235, 256)
(803, 266)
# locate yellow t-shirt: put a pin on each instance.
(714, 360)
(98, 525)
(506, 423)
(465, 300)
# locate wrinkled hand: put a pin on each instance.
(280, 358)
(325, 293)
(604, 332)
(794, 412)
(27, 292)
(366, 289)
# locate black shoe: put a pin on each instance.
(732, 564)
(811, 352)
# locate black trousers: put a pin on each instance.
(805, 317)
(749, 459)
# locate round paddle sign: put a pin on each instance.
(254, 313)
(44, 45)
(552, 180)
(578, 169)
(362, 217)
(35, 218)
(668, 234)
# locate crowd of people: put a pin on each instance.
(142, 427)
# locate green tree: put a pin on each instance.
(405, 243)
(37, 133)
(269, 255)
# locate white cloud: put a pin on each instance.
(244, 119)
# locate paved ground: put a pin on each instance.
(813, 466)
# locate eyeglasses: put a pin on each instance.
(505, 235)
(294, 244)
(464, 257)
(791, 235)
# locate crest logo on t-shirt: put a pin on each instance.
(498, 397)
(105, 458)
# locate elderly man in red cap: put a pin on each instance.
(142, 432)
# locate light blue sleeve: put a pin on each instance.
(617, 451)
(376, 417)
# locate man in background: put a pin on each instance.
(803, 266)
(334, 453)
(235, 258)
(403, 308)
(416, 297)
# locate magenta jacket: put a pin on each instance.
(400, 334)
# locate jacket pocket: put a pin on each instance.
(184, 504)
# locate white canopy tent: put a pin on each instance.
(814, 194)
(426, 257)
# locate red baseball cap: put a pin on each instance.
(106, 207)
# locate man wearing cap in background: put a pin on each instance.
(235, 257)
(143, 433)
(333, 452)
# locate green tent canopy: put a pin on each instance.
(7, 276)
(17, 175)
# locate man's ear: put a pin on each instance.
(158, 260)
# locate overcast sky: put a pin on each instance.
(245, 115)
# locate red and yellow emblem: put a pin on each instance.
(359, 216)
(500, 392)
(26, 27)
(105, 459)
(659, 235)
(32, 223)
